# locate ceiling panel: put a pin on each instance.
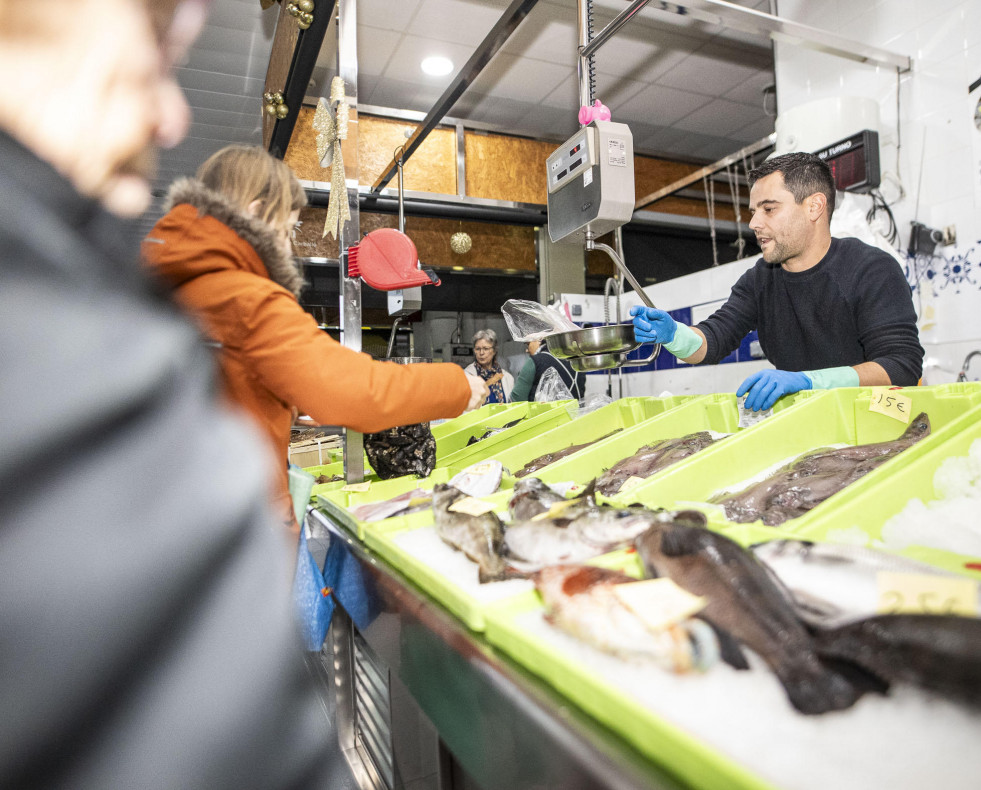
(721, 116)
(662, 105)
(522, 79)
(710, 70)
(545, 34)
(375, 48)
(406, 60)
(750, 90)
(754, 131)
(387, 14)
(459, 21)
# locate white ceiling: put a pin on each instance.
(689, 90)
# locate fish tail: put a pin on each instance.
(813, 688)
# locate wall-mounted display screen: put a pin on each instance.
(854, 161)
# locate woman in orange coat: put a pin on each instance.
(224, 247)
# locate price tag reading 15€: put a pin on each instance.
(921, 593)
(891, 403)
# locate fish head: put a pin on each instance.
(918, 428)
(444, 495)
(686, 518)
(530, 485)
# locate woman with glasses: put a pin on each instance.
(486, 367)
(225, 248)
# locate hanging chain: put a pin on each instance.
(709, 187)
(732, 176)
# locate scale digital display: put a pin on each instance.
(854, 161)
(567, 162)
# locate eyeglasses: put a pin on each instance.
(483, 348)
(290, 233)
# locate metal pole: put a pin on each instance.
(607, 32)
(583, 68)
(350, 287)
(592, 244)
(398, 152)
(461, 160)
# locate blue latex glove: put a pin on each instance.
(652, 325)
(767, 386)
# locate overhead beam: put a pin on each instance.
(749, 20)
(291, 63)
(485, 51)
(760, 145)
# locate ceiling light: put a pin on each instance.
(437, 66)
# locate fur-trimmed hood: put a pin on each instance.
(282, 268)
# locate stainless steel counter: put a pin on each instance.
(422, 702)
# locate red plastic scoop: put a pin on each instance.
(387, 260)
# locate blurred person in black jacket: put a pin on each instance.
(540, 360)
(147, 639)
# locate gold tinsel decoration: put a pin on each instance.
(331, 128)
(461, 243)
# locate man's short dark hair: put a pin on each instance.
(803, 175)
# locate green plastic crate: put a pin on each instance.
(487, 411)
(451, 441)
(839, 416)
(492, 445)
(616, 416)
(870, 507)
(680, 416)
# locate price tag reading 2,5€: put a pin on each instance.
(916, 593)
(892, 404)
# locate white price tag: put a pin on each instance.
(471, 506)
(659, 602)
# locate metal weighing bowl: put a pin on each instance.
(606, 340)
(593, 362)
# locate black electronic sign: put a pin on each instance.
(854, 161)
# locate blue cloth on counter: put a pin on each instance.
(313, 596)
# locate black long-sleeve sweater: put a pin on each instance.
(854, 306)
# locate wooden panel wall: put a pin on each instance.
(494, 246)
(506, 168)
(432, 168)
(498, 167)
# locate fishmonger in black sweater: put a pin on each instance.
(829, 312)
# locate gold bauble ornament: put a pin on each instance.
(305, 5)
(282, 111)
(461, 243)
